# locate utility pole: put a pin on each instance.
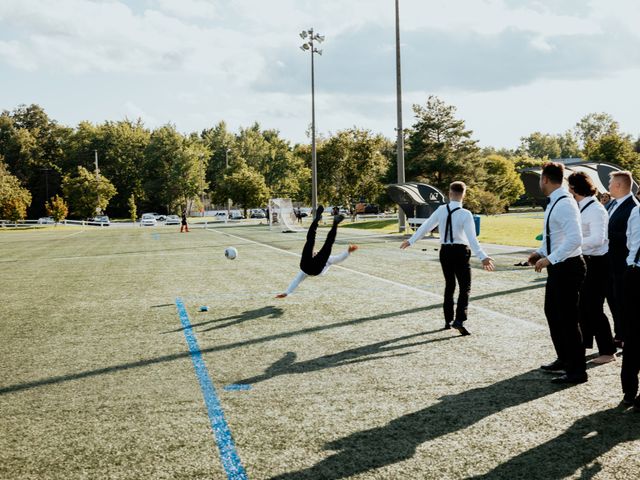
(226, 161)
(400, 139)
(98, 209)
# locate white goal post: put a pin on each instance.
(282, 215)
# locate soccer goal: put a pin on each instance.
(281, 214)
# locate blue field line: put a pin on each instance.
(228, 454)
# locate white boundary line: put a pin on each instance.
(529, 323)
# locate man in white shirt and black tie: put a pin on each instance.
(619, 210)
(631, 318)
(595, 245)
(457, 234)
(561, 255)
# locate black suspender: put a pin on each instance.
(548, 229)
(587, 205)
(448, 231)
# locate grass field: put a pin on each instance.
(350, 377)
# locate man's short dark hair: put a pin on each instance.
(554, 171)
(458, 187)
(582, 184)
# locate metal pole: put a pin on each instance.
(98, 209)
(400, 140)
(226, 160)
(314, 161)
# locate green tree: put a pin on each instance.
(175, 168)
(133, 209)
(502, 179)
(87, 195)
(617, 149)
(481, 201)
(541, 145)
(57, 208)
(352, 164)
(569, 146)
(594, 126)
(244, 186)
(222, 144)
(440, 148)
(14, 198)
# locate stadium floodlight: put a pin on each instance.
(308, 46)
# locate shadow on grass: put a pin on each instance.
(229, 346)
(287, 365)
(576, 449)
(270, 312)
(398, 440)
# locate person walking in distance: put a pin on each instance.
(457, 234)
(595, 245)
(184, 226)
(619, 210)
(561, 254)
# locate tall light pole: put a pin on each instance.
(310, 36)
(400, 139)
(98, 209)
(226, 161)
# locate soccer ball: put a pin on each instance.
(231, 253)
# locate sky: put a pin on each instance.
(511, 67)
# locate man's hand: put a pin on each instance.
(352, 248)
(488, 264)
(533, 258)
(542, 263)
(404, 245)
(281, 295)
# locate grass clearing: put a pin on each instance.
(351, 377)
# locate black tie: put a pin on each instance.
(611, 205)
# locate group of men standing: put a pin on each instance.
(591, 252)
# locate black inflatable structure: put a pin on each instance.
(417, 200)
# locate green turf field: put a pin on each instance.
(351, 377)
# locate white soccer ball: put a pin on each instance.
(231, 253)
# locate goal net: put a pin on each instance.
(282, 215)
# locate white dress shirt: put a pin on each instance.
(633, 236)
(619, 201)
(333, 259)
(595, 226)
(564, 225)
(464, 230)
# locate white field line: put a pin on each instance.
(71, 235)
(488, 311)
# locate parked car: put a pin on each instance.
(102, 220)
(367, 208)
(220, 215)
(172, 220)
(236, 215)
(257, 213)
(46, 220)
(148, 220)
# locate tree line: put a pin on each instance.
(49, 168)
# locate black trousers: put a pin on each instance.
(561, 299)
(454, 260)
(593, 321)
(313, 265)
(631, 357)
(615, 293)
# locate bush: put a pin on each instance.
(57, 208)
(482, 202)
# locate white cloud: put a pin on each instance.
(192, 9)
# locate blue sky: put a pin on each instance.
(511, 67)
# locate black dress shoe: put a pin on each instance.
(628, 400)
(555, 366)
(572, 379)
(447, 326)
(463, 331)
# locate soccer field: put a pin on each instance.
(103, 375)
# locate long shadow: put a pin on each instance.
(397, 441)
(229, 346)
(287, 365)
(270, 312)
(577, 448)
